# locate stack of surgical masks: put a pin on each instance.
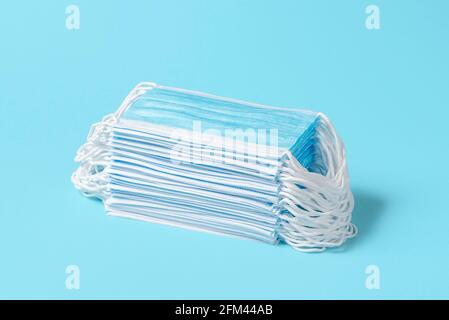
(220, 165)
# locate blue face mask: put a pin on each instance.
(209, 163)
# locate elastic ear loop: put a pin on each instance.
(316, 208)
(91, 177)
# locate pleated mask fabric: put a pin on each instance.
(203, 162)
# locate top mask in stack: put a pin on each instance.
(220, 165)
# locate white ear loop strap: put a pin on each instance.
(316, 208)
(91, 178)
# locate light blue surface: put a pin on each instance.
(386, 91)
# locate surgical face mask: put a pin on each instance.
(209, 163)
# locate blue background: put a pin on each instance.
(386, 91)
